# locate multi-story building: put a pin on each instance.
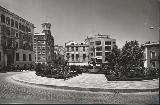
(44, 45)
(16, 39)
(99, 47)
(76, 54)
(152, 54)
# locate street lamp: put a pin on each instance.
(156, 28)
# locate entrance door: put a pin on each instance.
(9, 59)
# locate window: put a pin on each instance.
(16, 44)
(29, 30)
(91, 43)
(153, 64)
(43, 47)
(107, 48)
(43, 52)
(107, 42)
(99, 48)
(72, 48)
(24, 57)
(67, 48)
(153, 54)
(12, 23)
(7, 20)
(16, 24)
(26, 29)
(67, 56)
(17, 34)
(20, 26)
(2, 18)
(98, 53)
(98, 42)
(83, 48)
(23, 28)
(30, 57)
(0, 56)
(77, 56)
(43, 42)
(76, 48)
(72, 57)
(84, 57)
(8, 32)
(17, 56)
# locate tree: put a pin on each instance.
(114, 59)
(126, 61)
(132, 57)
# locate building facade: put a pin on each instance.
(76, 54)
(16, 39)
(44, 45)
(152, 55)
(99, 47)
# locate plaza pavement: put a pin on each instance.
(89, 82)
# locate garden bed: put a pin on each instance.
(113, 78)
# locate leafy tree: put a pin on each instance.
(114, 59)
(132, 57)
(128, 61)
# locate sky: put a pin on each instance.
(123, 20)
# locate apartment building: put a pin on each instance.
(44, 45)
(99, 47)
(16, 39)
(151, 54)
(76, 54)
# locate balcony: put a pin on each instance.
(155, 58)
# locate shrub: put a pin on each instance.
(151, 72)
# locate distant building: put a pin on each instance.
(152, 54)
(16, 39)
(76, 54)
(99, 47)
(59, 52)
(44, 45)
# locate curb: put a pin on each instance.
(91, 89)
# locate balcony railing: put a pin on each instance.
(155, 58)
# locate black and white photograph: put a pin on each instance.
(79, 51)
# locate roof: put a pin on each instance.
(73, 43)
(20, 18)
(151, 44)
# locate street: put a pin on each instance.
(14, 92)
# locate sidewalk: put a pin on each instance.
(91, 82)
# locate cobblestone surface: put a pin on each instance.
(15, 93)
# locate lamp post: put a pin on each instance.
(157, 29)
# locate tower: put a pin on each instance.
(46, 28)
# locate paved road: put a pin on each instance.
(14, 92)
